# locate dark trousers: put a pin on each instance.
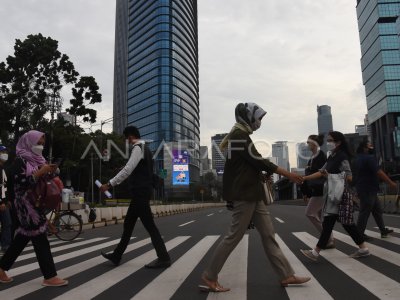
(42, 249)
(140, 208)
(369, 203)
(327, 227)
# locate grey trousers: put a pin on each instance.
(243, 213)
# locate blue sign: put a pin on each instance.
(180, 167)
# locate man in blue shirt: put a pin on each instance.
(368, 174)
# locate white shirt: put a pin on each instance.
(134, 159)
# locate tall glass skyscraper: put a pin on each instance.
(160, 55)
(379, 29)
(324, 122)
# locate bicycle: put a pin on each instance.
(65, 224)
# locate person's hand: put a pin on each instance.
(324, 173)
(296, 178)
(104, 187)
(2, 207)
(45, 169)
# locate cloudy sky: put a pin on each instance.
(287, 56)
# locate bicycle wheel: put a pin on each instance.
(68, 224)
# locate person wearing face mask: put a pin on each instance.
(26, 170)
(337, 162)
(367, 185)
(313, 190)
(5, 216)
(243, 188)
(139, 172)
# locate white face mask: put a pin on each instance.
(256, 124)
(37, 149)
(330, 146)
(4, 156)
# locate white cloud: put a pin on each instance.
(288, 56)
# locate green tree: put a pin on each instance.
(31, 82)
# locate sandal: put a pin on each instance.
(212, 286)
(4, 278)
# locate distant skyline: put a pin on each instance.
(287, 56)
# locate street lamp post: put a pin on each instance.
(101, 148)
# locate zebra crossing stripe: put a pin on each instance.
(52, 243)
(312, 289)
(169, 281)
(378, 284)
(389, 239)
(99, 284)
(61, 248)
(380, 252)
(234, 273)
(33, 266)
(396, 230)
(35, 284)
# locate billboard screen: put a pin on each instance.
(180, 167)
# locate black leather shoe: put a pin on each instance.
(157, 264)
(111, 257)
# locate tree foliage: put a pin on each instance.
(31, 82)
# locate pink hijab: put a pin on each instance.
(24, 150)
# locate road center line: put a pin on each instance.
(279, 220)
(184, 224)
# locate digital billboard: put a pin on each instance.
(180, 167)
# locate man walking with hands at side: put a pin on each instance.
(139, 172)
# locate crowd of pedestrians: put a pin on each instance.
(328, 188)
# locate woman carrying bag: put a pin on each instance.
(338, 198)
(28, 168)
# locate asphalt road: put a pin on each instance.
(191, 238)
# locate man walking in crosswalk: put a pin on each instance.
(139, 171)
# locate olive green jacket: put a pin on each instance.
(243, 165)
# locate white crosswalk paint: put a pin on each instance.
(33, 266)
(234, 273)
(279, 220)
(61, 248)
(381, 286)
(210, 215)
(169, 281)
(92, 288)
(396, 230)
(310, 290)
(35, 284)
(390, 238)
(380, 252)
(52, 242)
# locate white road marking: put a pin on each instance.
(35, 284)
(279, 220)
(210, 215)
(378, 284)
(234, 273)
(309, 290)
(91, 288)
(380, 252)
(184, 224)
(169, 281)
(389, 239)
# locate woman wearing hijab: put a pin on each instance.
(243, 188)
(28, 167)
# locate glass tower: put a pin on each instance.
(162, 86)
(378, 24)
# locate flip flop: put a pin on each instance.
(65, 282)
(10, 279)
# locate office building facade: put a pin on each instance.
(280, 150)
(379, 29)
(303, 155)
(325, 123)
(156, 73)
(217, 157)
